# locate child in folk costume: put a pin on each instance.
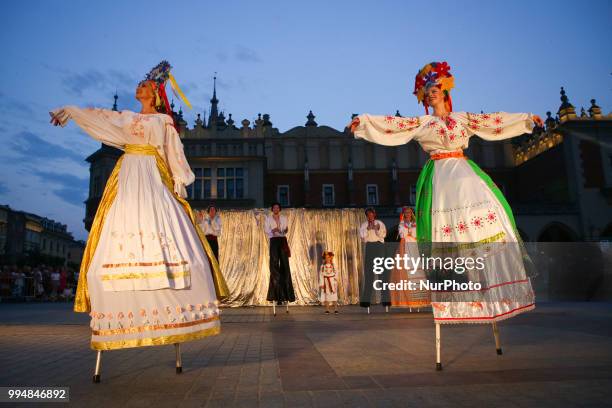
(409, 297)
(457, 203)
(148, 276)
(328, 283)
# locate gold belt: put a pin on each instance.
(144, 149)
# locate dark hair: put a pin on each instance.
(211, 206)
(280, 207)
(330, 253)
(370, 210)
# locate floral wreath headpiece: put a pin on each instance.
(158, 76)
(434, 73)
(330, 253)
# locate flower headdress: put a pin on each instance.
(330, 253)
(158, 76)
(438, 74)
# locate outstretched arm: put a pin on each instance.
(499, 125)
(101, 124)
(386, 130)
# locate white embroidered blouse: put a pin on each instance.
(118, 129)
(437, 135)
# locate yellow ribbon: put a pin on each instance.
(177, 90)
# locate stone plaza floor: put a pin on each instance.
(559, 355)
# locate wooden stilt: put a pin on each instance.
(287, 307)
(387, 309)
(274, 307)
(96, 377)
(410, 310)
(179, 363)
(368, 309)
(438, 361)
(497, 341)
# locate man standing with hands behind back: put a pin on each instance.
(372, 234)
(281, 288)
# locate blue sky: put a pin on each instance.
(278, 57)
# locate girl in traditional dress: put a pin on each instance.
(409, 297)
(457, 203)
(328, 283)
(148, 276)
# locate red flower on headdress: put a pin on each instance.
(442, 69)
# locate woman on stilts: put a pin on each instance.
(280, 288)
(459, 208)
(148, 276)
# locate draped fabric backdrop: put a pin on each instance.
(243, 247)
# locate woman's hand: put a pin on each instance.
(54, 120)
(59, 117)
(537, 120)
(353, 125)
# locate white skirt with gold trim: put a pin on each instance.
(149, 280)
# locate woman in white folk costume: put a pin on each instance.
(415, 296)
(280, 288)
(210, 223)
(328, 283)
(372, 233)
(148, 276)
(458, 205)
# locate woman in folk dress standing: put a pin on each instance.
(409, 297)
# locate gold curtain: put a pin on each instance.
(244, 253)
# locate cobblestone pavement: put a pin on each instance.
(559, 355)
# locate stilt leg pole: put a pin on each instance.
(274, 307)
(179, 362)
(368, 309)
(96, 377)
(287, 307)
(438, 360)
(497, 341)
(387, 309)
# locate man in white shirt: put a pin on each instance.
(211, 227)
(372, 234)
(281, 287)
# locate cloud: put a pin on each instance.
(222, 56)
(31, 146)
(3, 188)
(12, 106)
(245, 54)
(76, 83)
(71, 189)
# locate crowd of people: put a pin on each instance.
(41, 282)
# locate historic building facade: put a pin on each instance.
(24, 234)
(558, 180)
